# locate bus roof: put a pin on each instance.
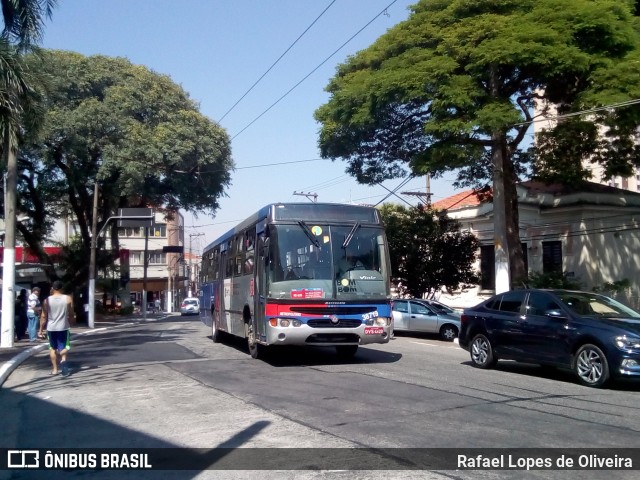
(309, 212)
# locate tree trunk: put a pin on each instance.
(518, 274)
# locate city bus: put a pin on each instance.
(315, 274)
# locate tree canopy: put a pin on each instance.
(428, 252)
(456, 86)
(133, 131)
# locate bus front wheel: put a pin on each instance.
(346, 351)
(252, 344)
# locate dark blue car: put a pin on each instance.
(593, 335)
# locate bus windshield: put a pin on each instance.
(323, 261)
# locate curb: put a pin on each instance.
(12, 364)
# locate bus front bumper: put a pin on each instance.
(306, 335)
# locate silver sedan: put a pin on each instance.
(414, 315)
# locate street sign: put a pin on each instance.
(173, 249)
(140, 217)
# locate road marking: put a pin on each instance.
(434, 345)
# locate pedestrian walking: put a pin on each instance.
(34, 309)
(20, 315)
(56, 314)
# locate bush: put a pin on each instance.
(553, 280)
(126, 310)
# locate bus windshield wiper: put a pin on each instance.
(307, 231)
(348, 238)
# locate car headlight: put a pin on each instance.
(626, 343)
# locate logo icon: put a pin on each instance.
(334, 319)
(23, 458)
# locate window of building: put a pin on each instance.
(131, 232)
(156, 258)
(135, 257)
(551, 257)
(158, 230)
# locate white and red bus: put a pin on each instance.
(300, 274)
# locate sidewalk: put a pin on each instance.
(11, 358)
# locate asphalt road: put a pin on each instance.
(166, 384)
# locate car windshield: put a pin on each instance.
(191, 302)
(584, 303)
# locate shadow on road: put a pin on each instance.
(295, 356)
(559, 374)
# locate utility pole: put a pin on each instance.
(424, 197)
(145, 266)
(92, 259)
(308, 195)
(9, 260)
(191, 235)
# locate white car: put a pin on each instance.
(190, 306)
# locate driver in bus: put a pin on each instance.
(348, 263)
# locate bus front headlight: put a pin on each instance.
(383, 321)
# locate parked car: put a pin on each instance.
(190, 306)
(441, 307)
(593, 335)
(415, 315)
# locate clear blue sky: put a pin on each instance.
(216, 50)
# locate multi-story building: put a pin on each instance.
(167, 276)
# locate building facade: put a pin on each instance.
(591, 235)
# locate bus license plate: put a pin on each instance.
(373, 330)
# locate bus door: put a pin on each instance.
(223, 292)
(260, 287)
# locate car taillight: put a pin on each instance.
(464, 318)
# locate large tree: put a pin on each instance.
(428, 252)
(134, 132)
(455, 88)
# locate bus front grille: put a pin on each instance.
(326, 323)
(333, 338)
(333, 310)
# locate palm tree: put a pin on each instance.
(23, 25)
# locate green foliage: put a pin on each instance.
(431, 94)
(616, 286)
(427, 252)
(132, 131)
(553, 280)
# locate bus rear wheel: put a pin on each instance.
(215, 332)
(346, 351)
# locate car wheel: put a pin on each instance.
(591, 366)
(481, 352)
(346, 351)
(448, 332)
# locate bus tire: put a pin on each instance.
(252, 344)
(215, 331)
(346, 351)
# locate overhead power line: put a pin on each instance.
(313, 71)
(276, 62)
(612, 106)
